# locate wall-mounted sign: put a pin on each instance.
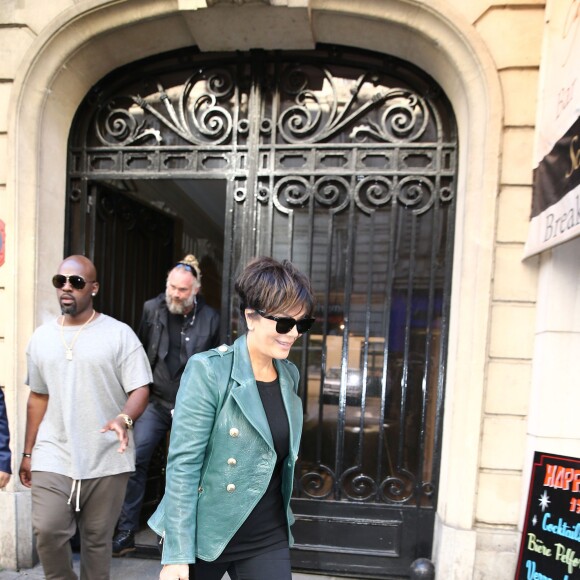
(550, 545)
(556, 186)
(2, 242)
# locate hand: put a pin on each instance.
(118, 425)
(24, 473)
(175, 572)
(4, 479)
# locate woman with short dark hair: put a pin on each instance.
(235, 438)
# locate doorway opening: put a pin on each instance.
(345, 162)
(137, 229)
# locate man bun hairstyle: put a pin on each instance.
(272, 286)
(191, 264)
(191, 260)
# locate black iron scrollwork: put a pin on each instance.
(416, 193)
(390, 115)
(300, 121)
(428, 488)
(403, 118)
(291, 192)
(122, 127)
(372, 193)
(262, 193)
(357, 486)
(199, 113)
(332, 192)
(398, 487)
(446, 194)
(318, 482)
(75, 194)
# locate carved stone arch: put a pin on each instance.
(60, 68)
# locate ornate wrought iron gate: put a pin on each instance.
(345, 162)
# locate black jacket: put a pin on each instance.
(5, 455)
(153, 332)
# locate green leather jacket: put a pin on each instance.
(221, 455)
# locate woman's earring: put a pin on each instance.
(94, 294)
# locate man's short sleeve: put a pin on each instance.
(34, 378)
(135, 370)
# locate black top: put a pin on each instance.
(265, 528)
(176, 355)
(168, 371)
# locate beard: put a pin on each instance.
(69, 308)
(176, 306)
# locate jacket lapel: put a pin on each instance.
(245, 391)
(162, 314)
(291, 404)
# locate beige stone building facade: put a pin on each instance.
(514, 325)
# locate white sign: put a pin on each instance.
(556, 190)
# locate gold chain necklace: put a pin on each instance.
(69, 348)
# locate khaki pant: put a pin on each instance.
(54, 522)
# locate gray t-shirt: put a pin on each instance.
(84, 393)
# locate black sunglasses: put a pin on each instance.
(285, 325)
(77, 282)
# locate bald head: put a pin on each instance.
(86, 268)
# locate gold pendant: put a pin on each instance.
(69, 354)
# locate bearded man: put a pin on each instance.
(174, 326)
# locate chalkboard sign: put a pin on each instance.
(550, 546)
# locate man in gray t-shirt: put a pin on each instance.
(88, 376)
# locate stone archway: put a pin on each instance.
(61, 67)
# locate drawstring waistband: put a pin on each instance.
(72, 491)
